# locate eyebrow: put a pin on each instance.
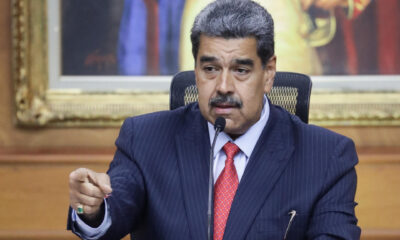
(204, 59)
(245, 61)
(239, 61)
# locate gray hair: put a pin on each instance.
(235, 19)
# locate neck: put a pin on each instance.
(234, 136)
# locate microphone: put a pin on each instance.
(219, 124)
(219, 127)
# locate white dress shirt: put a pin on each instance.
(245, 142)
(89, 232)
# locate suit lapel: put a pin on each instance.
(266, 164)
(193, 149)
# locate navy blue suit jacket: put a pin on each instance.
(159, 177)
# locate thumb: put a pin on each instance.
(101, 180)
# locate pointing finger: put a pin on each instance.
(89, 189)
(102, 181)
(89, 201)
(80, 174)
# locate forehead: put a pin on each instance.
(227, 49)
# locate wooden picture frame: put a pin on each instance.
(37, 105)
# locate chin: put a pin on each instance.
(232, 131)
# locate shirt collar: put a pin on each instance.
(248, 140)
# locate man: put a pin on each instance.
(275, 177)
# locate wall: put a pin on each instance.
(35, 163)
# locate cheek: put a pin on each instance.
(251, 93)
(252, 98)
(202, 99)
(204, 94)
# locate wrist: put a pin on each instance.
(95, 219)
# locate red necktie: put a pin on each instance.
(225, 189)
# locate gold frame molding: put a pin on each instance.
(37, 105)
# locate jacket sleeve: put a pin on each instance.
(128, 197)
(126, 203)
(333, 216)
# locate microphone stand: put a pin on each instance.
(219, 127)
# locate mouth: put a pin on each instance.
(224, 108)
(224, 104)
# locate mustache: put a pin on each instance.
(225, 99)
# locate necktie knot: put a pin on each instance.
(231, 150)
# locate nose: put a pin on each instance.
(225, 83)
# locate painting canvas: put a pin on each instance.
(96, 62)
(149, 37)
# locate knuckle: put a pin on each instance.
(72, 183)
(72, 176)
(76, 173)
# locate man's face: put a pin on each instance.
(232, 81)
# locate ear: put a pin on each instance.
(269, 74)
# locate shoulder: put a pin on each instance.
(315, 142)
(318, 153)
(158, 122)
(304, 131)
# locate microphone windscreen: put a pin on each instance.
(220, 123)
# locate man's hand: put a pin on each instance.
(324, 4)
(87, 189)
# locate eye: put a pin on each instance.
(210, 69)
(242, 71)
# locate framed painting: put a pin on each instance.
(96, 62)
